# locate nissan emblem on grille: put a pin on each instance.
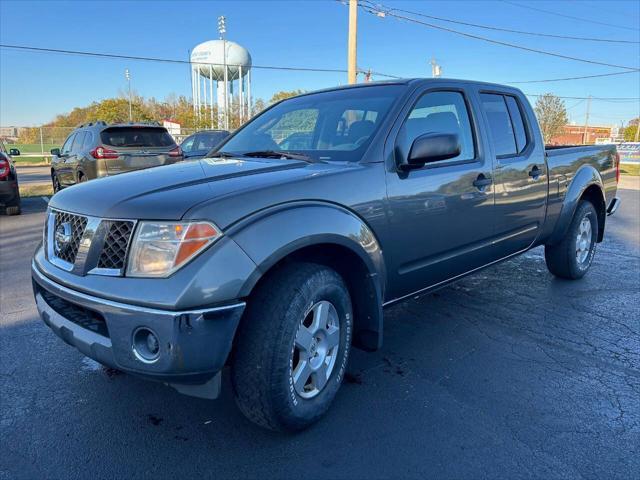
(62, 239)
(66, 235)
(88, 245)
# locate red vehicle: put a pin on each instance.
(9, 193)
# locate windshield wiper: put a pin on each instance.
(222, 155)
(280, 154)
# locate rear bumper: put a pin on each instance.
(9, 195)
(613, 206)
(193, 344)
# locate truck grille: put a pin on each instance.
(67, 251)
(114, 251)
(87, 245)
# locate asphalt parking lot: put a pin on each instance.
(509, 373)
(38, 175)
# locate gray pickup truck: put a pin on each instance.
(275, 261)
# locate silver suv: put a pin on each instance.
(96, 149)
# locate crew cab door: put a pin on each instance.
(440, 215)
(521, 182)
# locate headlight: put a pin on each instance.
(160, 248)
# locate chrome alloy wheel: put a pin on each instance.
(316, 349)
(583, 241)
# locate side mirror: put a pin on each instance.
(55, 152)
(14, 152)
(432, 147)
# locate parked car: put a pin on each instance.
(9, 191)
(199, 144)
(96, 149)
(275, 262)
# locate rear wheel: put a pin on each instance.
(293, 346)
(572, 257)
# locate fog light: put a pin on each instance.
(146, 346)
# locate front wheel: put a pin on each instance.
(293, 346)
(572, 257)
(55, 183)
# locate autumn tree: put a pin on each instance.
(552, 115)
(284, 94)
(116, 110)
(631, 131)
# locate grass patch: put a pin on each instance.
(33, 147)
(32, 161)
(630, 169)
(35, 190)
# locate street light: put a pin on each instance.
(127, 75)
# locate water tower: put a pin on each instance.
(221, 76)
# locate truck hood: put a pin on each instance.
(167, 192)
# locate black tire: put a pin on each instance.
(562, 258)
(264, 355)
(55, 183)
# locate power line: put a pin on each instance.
(384, 11)
(573, 78)
(569, 16)
(606, 99)
(172, 60)
(500, 29)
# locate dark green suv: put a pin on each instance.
(96, 149)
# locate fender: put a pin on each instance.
(586, 176)
(272, 234)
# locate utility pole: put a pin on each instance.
(352, 46)
(127, 75)
(637, 131)
(586, 121)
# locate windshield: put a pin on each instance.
(136, 137)
(325, 126)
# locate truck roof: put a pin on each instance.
(420, 81)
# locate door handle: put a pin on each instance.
(535, 172)
(481, 182)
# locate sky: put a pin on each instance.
(34, 87)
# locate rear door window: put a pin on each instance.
(136, 137)
(501, 130)
(88, 141)
(66, 148)
(517, 120)
(79, 141)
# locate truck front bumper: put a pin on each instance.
(185, 349)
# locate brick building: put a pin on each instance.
(575, 135)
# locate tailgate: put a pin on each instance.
(136, 159)
(137, 147)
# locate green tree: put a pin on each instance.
(552, 115)
(630, 132)
(284, 94)
(114, 110)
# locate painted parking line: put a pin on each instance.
(45, 200)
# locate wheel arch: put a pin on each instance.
(587, 184)
(327, 235)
